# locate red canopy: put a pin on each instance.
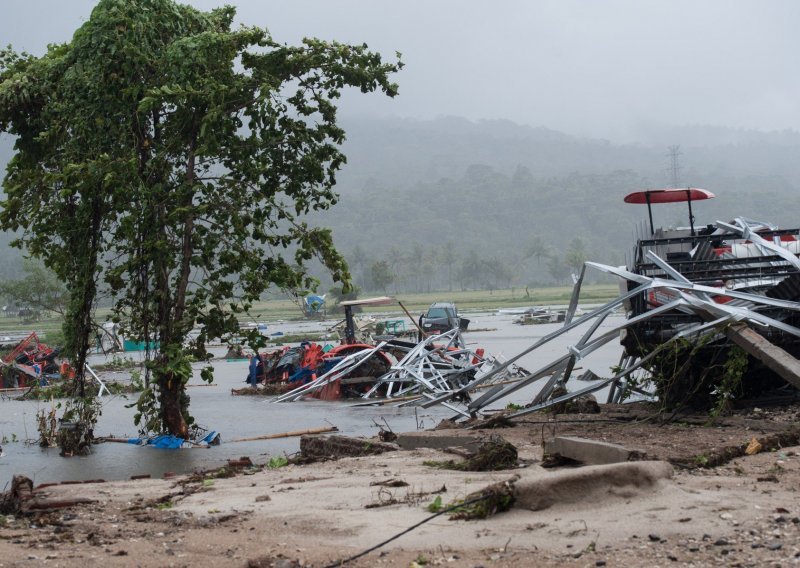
(671, 195)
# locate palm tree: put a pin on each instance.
(538, 249)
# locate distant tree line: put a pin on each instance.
(489, 230)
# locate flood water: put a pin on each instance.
(244, 416)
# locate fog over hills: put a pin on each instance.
(417, 149)
(490, 187)
(416, 191)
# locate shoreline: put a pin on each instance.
(743, 511)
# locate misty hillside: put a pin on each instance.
(472, 196)
(406, 151)
(491, 187)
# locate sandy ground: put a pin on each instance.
(744, 512)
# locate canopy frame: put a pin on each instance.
(669, 195)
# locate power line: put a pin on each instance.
(674, 167)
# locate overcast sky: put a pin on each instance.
(603, 69)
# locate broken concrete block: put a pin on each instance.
(590, 452)
(437, 441)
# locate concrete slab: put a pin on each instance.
(437, 441)
(590, 452)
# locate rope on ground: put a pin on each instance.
(408, 530)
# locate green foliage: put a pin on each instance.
(66, 389)
(173, 157)
(341, 294)
(55, 337)
(700, 373)
(47, 426)
(730, 384)
(137, 380)
(537, 248)
(676, 374)
(147, 416)
(81, 414)
(494, 501)
(436, 505)
(576, 254)
(381, 274)
(295, 338)
(276, 462)
(118, 363)
(40, 289)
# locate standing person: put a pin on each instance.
(252, 377)
(261, 372)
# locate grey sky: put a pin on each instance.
(596, 68)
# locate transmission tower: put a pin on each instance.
(674, 166)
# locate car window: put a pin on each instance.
(437, 313)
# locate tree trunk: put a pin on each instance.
(81, 318)
(174, 400)
(171, 399)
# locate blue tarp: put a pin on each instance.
(170, 442)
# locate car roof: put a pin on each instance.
(443, 305)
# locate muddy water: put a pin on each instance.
(239, 417)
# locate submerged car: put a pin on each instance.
(442, 317)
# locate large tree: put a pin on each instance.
(39, 289)
(171, 157)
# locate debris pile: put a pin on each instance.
(537, 316)
(737, 285)
(31, 361)
(708, 311)
(334, 447)
(437, 370)
(494, 454)
(748, 301)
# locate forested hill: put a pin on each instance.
(406, 151)
(444, 201)
(415, 193)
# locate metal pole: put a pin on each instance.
(424, 334)
(349, 326)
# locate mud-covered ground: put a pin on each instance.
(720, 507)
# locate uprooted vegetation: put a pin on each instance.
(489, 501)
(494, 454)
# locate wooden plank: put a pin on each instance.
(774, 357)
(288, 434)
